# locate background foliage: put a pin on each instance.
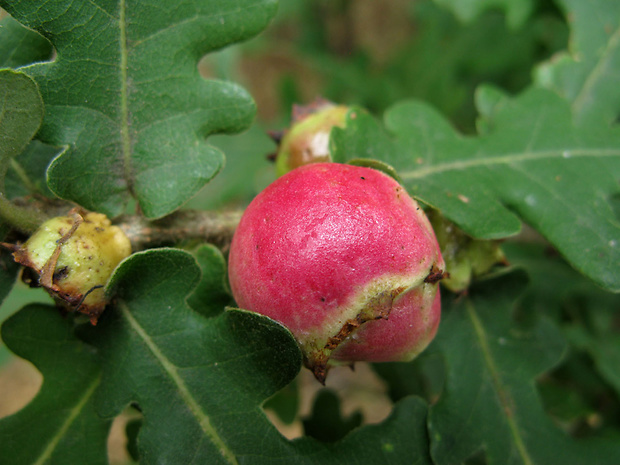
(501, 115)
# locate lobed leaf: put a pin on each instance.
(326, 422)
(125, 97)
(587, 74)
(212, 294)
(586, 314)
(489, 403)
(200, 381)
(60, 425)
(528, 164)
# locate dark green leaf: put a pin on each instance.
(422, 377)
(20, 46)
(212, 293)
(285, 403)
(604, 348)
(589, 316)
(199, 382)
(125, 96)
(27, 172)
(489, 402)
(587, 75)
(530, 164)
(60, 425)
(131, 431)
(326, 422)
(401, 439)
(21, 113)
(8, 273)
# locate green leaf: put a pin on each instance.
(326, 422)
(213, 373)
(401, 439)
(517, 11)
(60, 425)
(8, 273)
(247, 171)
(27, 171)
(440, 60)
(530, 163)
(200, 382)
(587, 315)
(424, 376)
(21, 113)
(285, 403)
(212, 293)
(603, 347)
(125, 96)
(490, 402)
(587, 75)
(20, 46)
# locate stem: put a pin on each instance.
(187, 225)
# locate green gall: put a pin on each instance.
(466, 258)
(73, 257)
(307, 140)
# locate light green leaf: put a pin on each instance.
(529, 164)
(490, 403)
(125, 96)
(517, 11)
(60, 425)
(587, 75)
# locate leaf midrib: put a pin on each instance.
(125, 137)
(506, 159)
(171, 370)
(73, 414)
(503, 395)
(584, 94)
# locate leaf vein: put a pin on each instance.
(62, 431)
(171, 370)
(507, 159)
(597, 71)
(502, 393)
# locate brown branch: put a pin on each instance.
(186, 225)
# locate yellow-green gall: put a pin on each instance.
(307, 141)
(73, 258)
